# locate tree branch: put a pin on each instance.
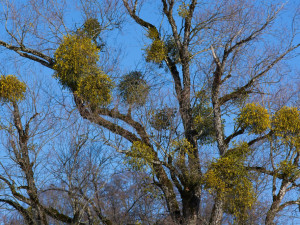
(168, 10)
(26, 215)
(281, 207)
(137, 18)
(242, 90)
(233, 135)
(30, 54)
(252, 36)
(95, 118)
(14, 192)
(128, 119)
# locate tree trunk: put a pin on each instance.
(217, 212)
(22, 156)
(190, 207)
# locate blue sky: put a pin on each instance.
(131, 39)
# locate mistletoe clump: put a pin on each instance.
(133, 88)
(76, 67)
(157, 51)
(287, 121)
(229, 179)
(11, 89)
(286, 125)
(140, 156)
(203, 118)
(288, 170)
(183, 10)
(254, 118)
(92, 28)
(162, 118)
(95, 89)
(75, 57)
(172, 50)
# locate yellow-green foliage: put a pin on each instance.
(182, 152)
(288, 169)
(156, 52)
(76, 67)
(182, 146)
(254, 118)
(183, 10)
(228, 178)
(95, 89)
(140, 155)
(152, 33)
(240, 151)
(92, 28)
(75, 57)
(204, 118)
(11, 89)
(205, 125)
(286, 124)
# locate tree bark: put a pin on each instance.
(217, 212)
(22, 155)
(190, 207)
(276, 203)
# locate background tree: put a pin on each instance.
(50, 175)
(217, 57)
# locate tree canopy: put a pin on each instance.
(150, 112)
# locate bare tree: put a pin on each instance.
(218, 56)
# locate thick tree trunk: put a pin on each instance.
(190, 206)
(217, 212)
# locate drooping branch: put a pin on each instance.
(26, 215)
(16, 194)
(30, 54)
